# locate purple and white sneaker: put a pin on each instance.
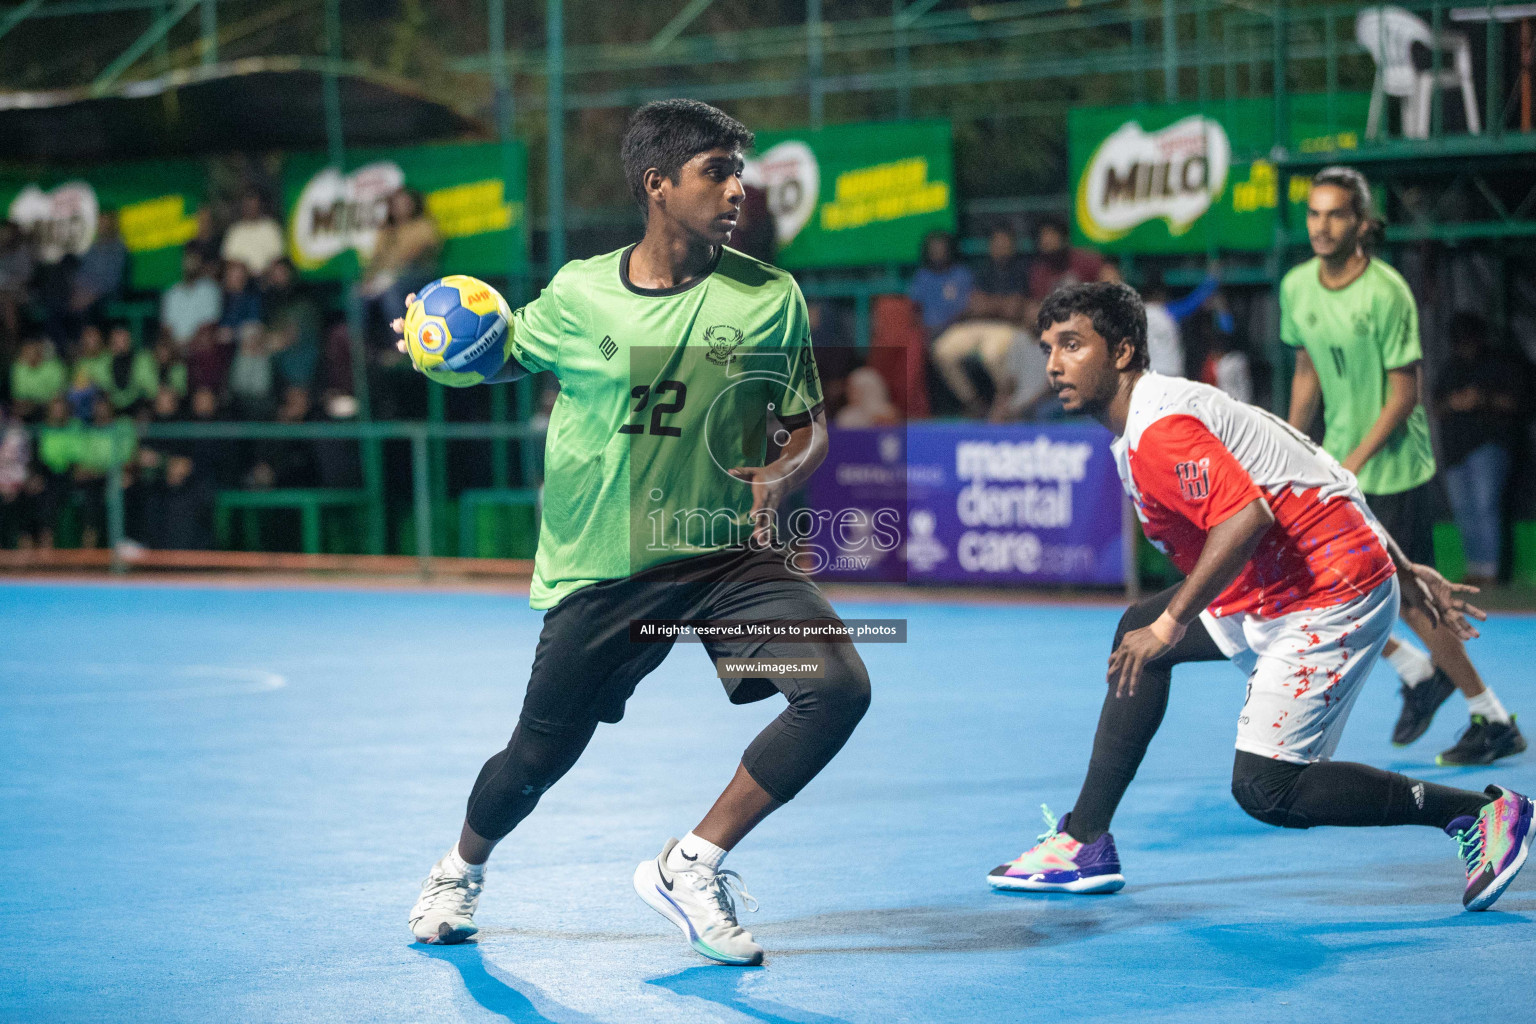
(1059, 863)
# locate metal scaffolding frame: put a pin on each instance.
(933, 57)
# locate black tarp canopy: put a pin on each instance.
(263, 103)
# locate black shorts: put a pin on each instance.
(586, 661)
(1409, 516)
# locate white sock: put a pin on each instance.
(1487, 704)
(693, 850)
(1411, 664)
(456, 863)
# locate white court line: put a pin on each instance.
(224, 681)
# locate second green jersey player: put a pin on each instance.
(679, 360)
(1355, 326)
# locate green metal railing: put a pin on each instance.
(422, 436)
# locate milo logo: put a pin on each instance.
(337, 212)
(791, 176)
(1135, 176)
(63, 219)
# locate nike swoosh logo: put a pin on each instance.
(686, 857)
(666, 881)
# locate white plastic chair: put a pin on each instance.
(1389, 33)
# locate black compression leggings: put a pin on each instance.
(1275, 792)
(785, 756)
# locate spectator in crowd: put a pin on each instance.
(37, 378)
(191, 303)
(16, 525)
(869, 402)
(1056, 263)
(941, 288)
(206, 242)
(126, 370)
(175, 494)
(1226, 365)
(241, 305)
(404, 256)
(216, 457)
(990, 325)
(255, 240)
(107, 440)
(1023, 391)
(754, 232)
(161, 368)
(207, 360)
(58, 442)
(1165, 339)
(90, 370)
(102, 271)
(16, 267)
(286, 463)
(1479, 399)
(292, 328)
(53, 282)
(250, 377)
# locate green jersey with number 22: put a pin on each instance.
(661, 392)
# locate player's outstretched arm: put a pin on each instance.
(1425, 590)
(511, 371)
(1228, 547)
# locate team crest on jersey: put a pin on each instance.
(1362, 325)
(722, 339)
(1194, 479)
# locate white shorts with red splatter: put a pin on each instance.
(1304, 670)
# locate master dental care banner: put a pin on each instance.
(985, 504)
(477, 197)
(855, 195)
(1189, 178)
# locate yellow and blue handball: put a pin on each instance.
(459, 331)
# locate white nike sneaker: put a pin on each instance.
(699, 902)
(444, 912)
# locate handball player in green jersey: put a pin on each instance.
(678, 360)
(1355, 327)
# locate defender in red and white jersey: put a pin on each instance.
(1288, 574)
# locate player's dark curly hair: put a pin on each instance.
(668, 133)
(1360, 200)
(1114, 309)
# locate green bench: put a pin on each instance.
(308, 501)
(471, 501)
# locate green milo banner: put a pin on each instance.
(156, 206)
(858, 194)
(1185, 178)
(479, 205)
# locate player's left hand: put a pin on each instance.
(1137, 647)
(768, 492)
(1437, 598)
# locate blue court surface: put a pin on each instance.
(217, 804)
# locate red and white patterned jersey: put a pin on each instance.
(1192, 457)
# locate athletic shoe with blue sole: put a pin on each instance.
(1494, 845)
(1059, 863)
(698, 900)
